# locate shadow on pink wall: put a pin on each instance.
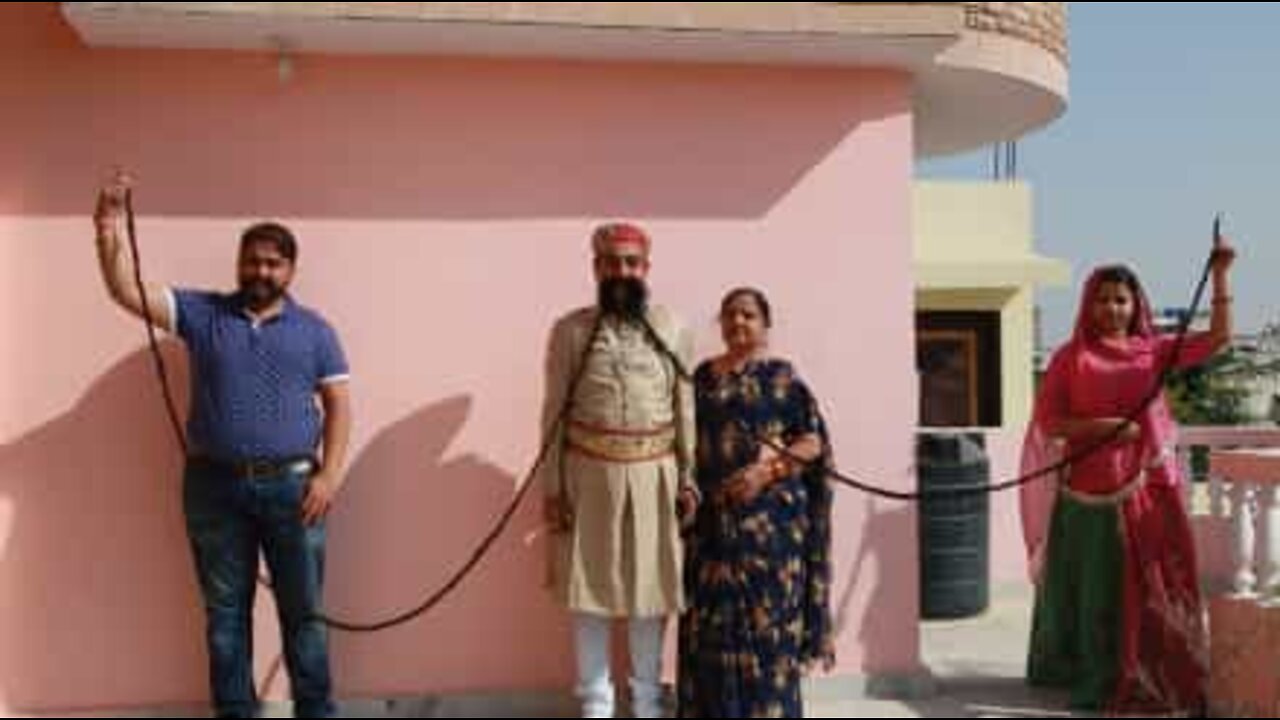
(215, 135)
(96, 503)
(409, 518)
(96, 593)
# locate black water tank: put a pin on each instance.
(954, 531)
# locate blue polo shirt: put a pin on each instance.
(254, 384)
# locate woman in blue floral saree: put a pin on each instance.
(757, 569)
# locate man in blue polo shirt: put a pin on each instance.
(255, 478)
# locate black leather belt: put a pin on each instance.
(258, 468)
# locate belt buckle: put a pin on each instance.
(302, 466)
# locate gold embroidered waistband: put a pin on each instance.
(1103, 499)
(625, 445)
(1122, 493)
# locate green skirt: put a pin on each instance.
(1075, 632)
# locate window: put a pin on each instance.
(958, 362)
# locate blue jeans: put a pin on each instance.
(229, 520)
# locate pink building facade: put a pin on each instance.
(443, 193)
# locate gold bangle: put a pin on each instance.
(780, 468)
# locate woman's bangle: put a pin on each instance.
(779, 468)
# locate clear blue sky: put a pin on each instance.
(1174, 115)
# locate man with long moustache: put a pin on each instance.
(619, 474)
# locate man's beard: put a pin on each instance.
(624, 298)
(260, 293)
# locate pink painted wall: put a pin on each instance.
(1008, 556)
(443, 207)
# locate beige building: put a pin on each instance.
(976, 275)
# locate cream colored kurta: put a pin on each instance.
(622, 556)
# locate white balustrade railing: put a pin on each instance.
(1235, 464)
(1252, 476)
